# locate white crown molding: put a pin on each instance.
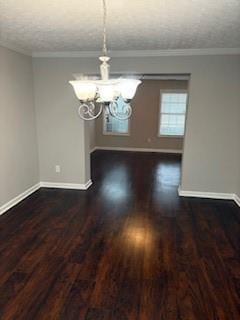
(163, 77)
(62, 185)
(137, 150)
(66, 54)
(15, 48)
(122, 53)
(18, 198)
(138, 75)
(209, 195)
(138, 53)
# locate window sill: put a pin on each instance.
(170, 136)
(116, 134)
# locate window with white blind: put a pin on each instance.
(173, 106)
(112, 125)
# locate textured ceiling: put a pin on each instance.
(75, 25)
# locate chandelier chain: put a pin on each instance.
(104, 28)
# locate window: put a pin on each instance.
(112, 125)
(172, 113)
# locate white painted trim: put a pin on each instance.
(18, 198)
(182, 193)
(29, 191)
(62, 185)
(209, 195)
(138, 53)
(138, 149)
(164, 77)
(121, 53)
(237, 199)
(93, 149)
(118, 134)
(138, 75)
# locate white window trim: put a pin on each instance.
(106, 133)
(159, 135)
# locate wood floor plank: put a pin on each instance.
(126, 249)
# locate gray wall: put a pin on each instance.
(212, 149)
(238, 186)
(237, 190)
(92, 134)
(145, 107)
(211, 156)
(238, 183)
(63, 138)
(18, 140)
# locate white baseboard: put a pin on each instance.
(60, 185)
(182, 193)
(29, 191)
(138, 149)
(237, 199)
(209, 195)
(93, 149)
(18, 198)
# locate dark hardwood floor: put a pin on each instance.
(128, 248)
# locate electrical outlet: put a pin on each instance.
(57, 168)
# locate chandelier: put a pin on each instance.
(95, 95)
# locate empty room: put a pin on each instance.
(120, 160)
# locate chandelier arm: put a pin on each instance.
(85, 111)
(91, 107)
(127, 110)
(110, 109)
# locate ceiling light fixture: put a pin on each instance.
(96, 94)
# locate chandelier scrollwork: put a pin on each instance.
(87, 111)
(125, 113)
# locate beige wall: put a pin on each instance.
(18, 140)
(63, 137)
(144, 120)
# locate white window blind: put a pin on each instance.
(172, 113)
